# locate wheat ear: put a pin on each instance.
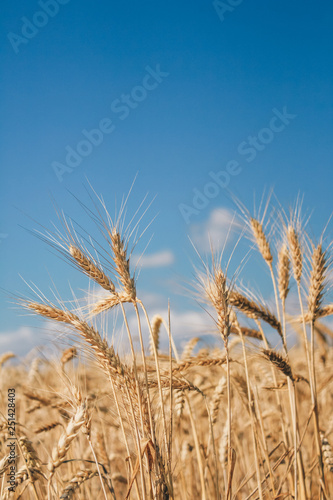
(216, 398)
(74, 425)
(198, 361)
(6, 357)
(155, 337)
(68, 355)
(223, 446)
(33, 371)
(327, 452)
(100, 448)
(218, 294)
(32, 464)
(283, 273)
(325, 311)
(179, 402)
(296, 253)
(247, 332)
(255, 311)
(25, 474)
(29, 453)
(109, 302)
(321, 313)
(261, 240)
(79, 478)
(317, 279)
(117, 477)
(121, 262)
(46, 427)
(91, 269)
(188, 349)
(5, 463)
(279, 361)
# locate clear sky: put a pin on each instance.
(200, 98)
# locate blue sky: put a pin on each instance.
(200, 86)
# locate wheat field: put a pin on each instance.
(248, 418)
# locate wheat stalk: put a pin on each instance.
(109, 361)
(218, 293)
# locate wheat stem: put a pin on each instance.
(158, 375)
(251, 410)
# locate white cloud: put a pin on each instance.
(153, 300)
(184, 326)
(45, 336)
(159, 259)
(219, 226)
(187, 324)
(12, 338)
(21, 340)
